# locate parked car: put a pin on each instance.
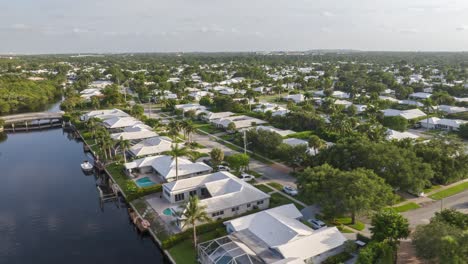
(223, 168)
(290, 190)
(316, 224)
(246, 177)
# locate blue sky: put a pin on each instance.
(65, 26)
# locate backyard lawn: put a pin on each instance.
(264, 188)
(184, 252)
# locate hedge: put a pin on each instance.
(337, 259)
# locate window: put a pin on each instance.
(260, 202)
(248, 205)
(179, 197)
(235, 208)
(193, 193)
(217, 213)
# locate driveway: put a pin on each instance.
(427, 211)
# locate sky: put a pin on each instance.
(109, 26)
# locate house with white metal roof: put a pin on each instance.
(297, 98)
(241, 121)
(135, 132)
(165, 167)
(278, 131)
(120, 122)
(151, 146)
(397, 135)
(222, 193)
(420, 96)
(407, 114)
(442, 123)
(272, 236)
(104, 114)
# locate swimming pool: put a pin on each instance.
(144, 182)
(167, 211)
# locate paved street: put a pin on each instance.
(423, 214)
(275, 172)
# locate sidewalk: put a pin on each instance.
(425, 199)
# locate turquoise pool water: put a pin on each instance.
(167, 211)
(144, 182)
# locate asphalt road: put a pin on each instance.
(424, 214)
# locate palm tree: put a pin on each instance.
(316, 143)
(189, 129)
(192, 214)
(174, 129)
(428, 107)
(176, 152)
(124, 145)
(91, 125)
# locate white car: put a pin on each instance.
(316, 224)
(246, 177)
(290, 190)
(223, 168)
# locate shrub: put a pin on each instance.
(337, 259)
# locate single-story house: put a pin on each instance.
(397, 135)
(272, 236)
(278, 131)
(295, 142)
(239, 121)
(151, 146)
(136, 132)
(297, 98)
(407, 114)
(86, 94)
(420, 96)
(210, 116)
(442, 123)
(450, 109)
(120, 122)
(165, 167)
(190, 107)
(223, 194)
(104, 114)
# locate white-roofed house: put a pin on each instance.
(151, 146)
(211, 116)
(240, 122)
(222, 193)
(278, 131)
(120, 122)
(190, 107)
(407, 114)
(297, 98)
(273, 236)
(420, 96)
(450, 109)
(104, 114)
(135, 132)
(397, 135)
(164, 167)
(442, 123)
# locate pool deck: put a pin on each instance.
(159, 204)
(154, 178)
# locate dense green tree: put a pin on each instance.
(340, 192)
(397, 123)
(389, 225)
(238, 162)
(217, 156)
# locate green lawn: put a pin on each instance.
(264, 188)
(276, 185)
(450, 191)
(277, 199)
(347, 221)
(433, 188)
(184, 252)
(301, 135)
(407, 207)
(208, 128)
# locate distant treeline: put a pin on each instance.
(18, 94)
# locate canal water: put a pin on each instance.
(50, 211)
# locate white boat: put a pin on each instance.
(86, 166)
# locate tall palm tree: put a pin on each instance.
(91, 125)
(428, 107)
(192, 214)
(174, 129)
(124, 145)
(189, 129)
(176, 152)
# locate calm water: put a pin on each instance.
(50, 212)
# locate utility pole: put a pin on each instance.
(245, 143)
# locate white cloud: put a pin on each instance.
(327, 14)
(462, 28)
